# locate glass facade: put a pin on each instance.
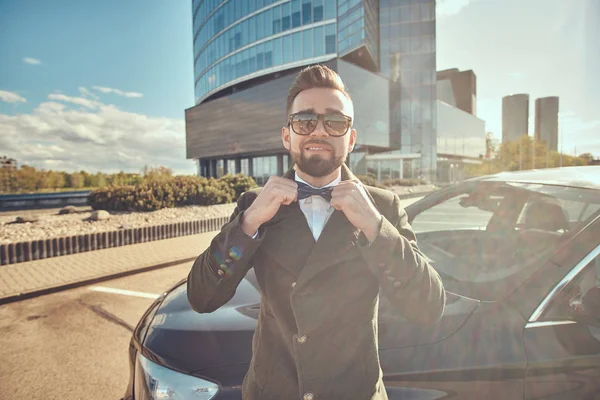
(408, 59)
(357, 26)
(393, 83)
(236, 39)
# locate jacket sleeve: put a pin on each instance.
(407, 279)
(218, 271)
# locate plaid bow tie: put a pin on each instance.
(305, 191)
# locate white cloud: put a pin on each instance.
(32, 61)
(76, 133)
(87, 94)
(11, 97)
(119, 92)
(75, 100)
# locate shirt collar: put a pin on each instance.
(332, 183)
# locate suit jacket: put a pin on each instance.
(316, 336)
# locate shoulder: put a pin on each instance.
(381, 195)
(386, 201)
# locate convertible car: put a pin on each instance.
(519, 254)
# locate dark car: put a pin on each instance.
(519, 254)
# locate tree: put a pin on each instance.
(27, 178)
(76, 180)
(587, 157)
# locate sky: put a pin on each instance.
(540, 47)
(103, 85)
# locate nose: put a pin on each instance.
(320, 129)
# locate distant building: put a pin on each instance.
(8, 163)
(546, 121)
(458, 89)
(515, 117)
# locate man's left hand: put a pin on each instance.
(348, 197)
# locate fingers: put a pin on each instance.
(281, 190)
(346, 193)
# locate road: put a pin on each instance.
(73, 344)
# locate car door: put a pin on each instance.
(475, 350)
(562, 337)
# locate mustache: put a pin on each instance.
(321, 142)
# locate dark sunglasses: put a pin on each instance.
(305, 123)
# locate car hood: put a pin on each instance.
(184, 340)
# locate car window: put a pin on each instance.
(462, 218)
(488, 239)
(571, 298)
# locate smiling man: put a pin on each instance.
(323, 246)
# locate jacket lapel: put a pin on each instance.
(289, 240)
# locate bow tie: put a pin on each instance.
(305, 191)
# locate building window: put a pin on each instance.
(245, 167)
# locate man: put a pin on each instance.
(322, 245)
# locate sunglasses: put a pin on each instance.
(305, 123)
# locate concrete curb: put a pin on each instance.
(89, 281)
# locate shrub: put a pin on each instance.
(239, 183)
(153, 194)
(370, 180)
(403, 182)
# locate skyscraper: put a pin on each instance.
(546, 121)
(246, 56)
(515, 117)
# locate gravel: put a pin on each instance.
(51, 225)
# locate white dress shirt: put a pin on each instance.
(316, 209)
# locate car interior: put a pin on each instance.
(523, 227)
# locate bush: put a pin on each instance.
(370, 180)
(403, 182)
(239, 183)
(152, 194)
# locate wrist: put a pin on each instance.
(373, 230)
(249, 223)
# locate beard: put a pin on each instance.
(315, 165)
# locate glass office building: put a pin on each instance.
(246, 55)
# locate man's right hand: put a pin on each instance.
(277, 191)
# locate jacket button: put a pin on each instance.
(308, 396)
(382, 265)
(221, 272)
(301, 339)
(398, 284)
(294, 284)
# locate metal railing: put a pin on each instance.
(32, 201)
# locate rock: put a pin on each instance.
(67, 210)
(26, 218)
(100, 215)
(124, 226)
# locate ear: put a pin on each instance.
(352, 141)
(286, 138)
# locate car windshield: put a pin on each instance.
(485, 239)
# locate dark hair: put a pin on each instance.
(315, 76)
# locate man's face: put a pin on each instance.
(319, 154)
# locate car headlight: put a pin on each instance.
(155, 382)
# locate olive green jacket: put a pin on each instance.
(316, 336)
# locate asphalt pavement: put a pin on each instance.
(73, 344)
